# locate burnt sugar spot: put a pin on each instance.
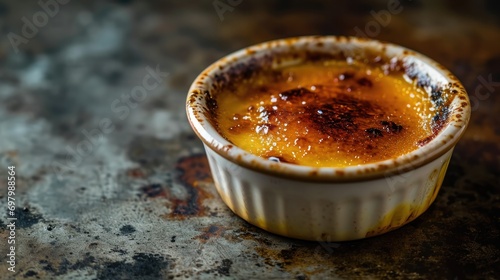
(374, 132)
(341, 115)
(211, 108)
(346, 76)
(294, 93)
(245, 70)
(424, 141)
(365, 82)
(439, 120)
(390, 126)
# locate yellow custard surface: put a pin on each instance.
(325, 114)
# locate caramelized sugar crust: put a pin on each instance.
(325, 114)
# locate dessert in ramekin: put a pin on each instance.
(305, 138)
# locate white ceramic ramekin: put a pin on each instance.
(330, 204)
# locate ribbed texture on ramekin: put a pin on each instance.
(322, 211)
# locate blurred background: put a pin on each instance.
(113, 184)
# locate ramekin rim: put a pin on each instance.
(445, 140)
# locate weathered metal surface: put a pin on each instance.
(135, 199)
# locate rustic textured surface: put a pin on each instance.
(139, 202)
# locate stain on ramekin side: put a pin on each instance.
(405, 212)
(399, 216)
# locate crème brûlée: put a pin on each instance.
(325, 114)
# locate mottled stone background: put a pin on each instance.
(139, 202)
